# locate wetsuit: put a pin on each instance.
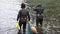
(23, 13)
(39, 15)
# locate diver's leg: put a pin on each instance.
(37, 21)
(41, 22)
(20, 24)
(24, 28)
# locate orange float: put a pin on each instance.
(33, 30)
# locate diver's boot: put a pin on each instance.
(24, 32)
(19, 32)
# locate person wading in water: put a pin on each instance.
(39, 14)
(23, 16)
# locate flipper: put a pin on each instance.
(17, 26)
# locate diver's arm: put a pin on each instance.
(28, 16)
(18, 16)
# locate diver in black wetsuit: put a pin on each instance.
(39, 14)
(23, 16)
